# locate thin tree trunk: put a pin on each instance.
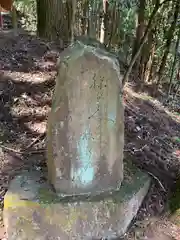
(96, 18)
(84, 17)
(142, 63)
(68, 14)
(113, 25)
(177, 90)
(91, 20)
(140, 27)
(174, 63)
(149, 65)
(14, 19)
(98, 31)
(148, 28)
(147, 56)
(103, 23)
(168, 44)
(73, 20)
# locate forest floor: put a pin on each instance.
(27, 79)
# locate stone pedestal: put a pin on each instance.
(97, 195)
(32, 211)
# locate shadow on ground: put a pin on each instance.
(24, 109)
(172, 102)
(152, 134)
(27, 72)
(151, 141)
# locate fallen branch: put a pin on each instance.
(42, 150)
(35, 140)
(161, 185)
(10, 149)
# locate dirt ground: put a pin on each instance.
(27, 79)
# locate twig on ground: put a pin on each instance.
(41, 150)
(10, 149)
(35, 140)
(23, 152)
(161, 185)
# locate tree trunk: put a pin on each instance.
(84, 17)
(174, 63)
(149, 64)
(104, 21)
(91, 19)
(147, 56)
(73, 20)
(113, 25)
(177, 90)
(168, 43)
(152, 71)
(140, 27)
(14, 20)
(148, 28)
(139, 65)
(52, 21)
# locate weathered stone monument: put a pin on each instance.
(86, 125)
(90, 193)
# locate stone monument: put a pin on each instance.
(86, 123)
(91, 193)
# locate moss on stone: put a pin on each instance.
(13, 200)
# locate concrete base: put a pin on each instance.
(32, 211)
